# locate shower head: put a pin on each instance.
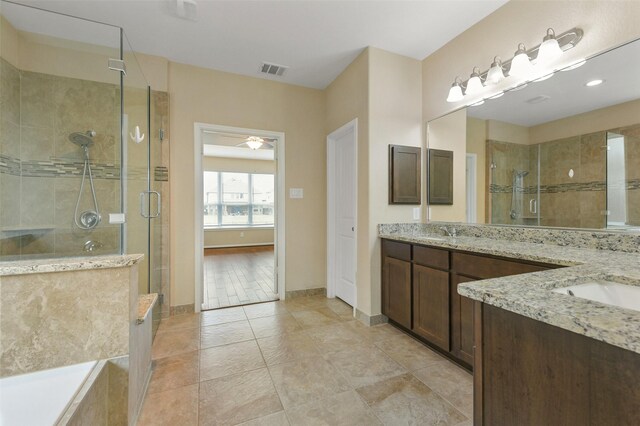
(84, 140)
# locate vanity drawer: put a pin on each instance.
(432, 257)
(396, 250)
(488, 267)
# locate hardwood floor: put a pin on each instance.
(238, 276)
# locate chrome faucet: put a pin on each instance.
(450, 232)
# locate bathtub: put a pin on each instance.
(41, 398)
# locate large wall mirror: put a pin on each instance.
(563, 152)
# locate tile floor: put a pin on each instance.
(238, 276)
(303, 361)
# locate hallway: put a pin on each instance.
(304, 361)
(238, 276)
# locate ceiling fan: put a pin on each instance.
(255, 142)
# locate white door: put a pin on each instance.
(345, 220)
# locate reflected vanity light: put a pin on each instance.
(535, 64)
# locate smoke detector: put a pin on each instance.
(273, 69)
(187, 9)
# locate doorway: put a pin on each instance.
(342, 199)
(239, 176)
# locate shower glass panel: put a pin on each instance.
(513, 177)
(59, 135)
(623, 180)
(573, 181)
(135, 128)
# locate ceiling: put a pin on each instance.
(565, 94)
(317, 39)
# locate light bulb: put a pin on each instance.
(474, 85)
(495, 74)
(520, 64)
(455, 93)
(549, 50)
(254, 142)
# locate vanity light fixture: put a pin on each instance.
(474, 85)
(549, 50)
(535, 64)
(455, 93)
(254, 142)
(495, 74)
(595, 82)
(521, 65)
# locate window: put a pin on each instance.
(238, 199)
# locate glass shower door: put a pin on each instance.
(135, 164)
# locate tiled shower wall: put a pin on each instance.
(41, 170)
(574, 202)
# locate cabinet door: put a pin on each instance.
(431, 305)
(461, 321)
(396, 290)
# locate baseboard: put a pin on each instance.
(183, 309)
(371, 320)
(306, 292)
(239, 245)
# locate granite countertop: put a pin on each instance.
(68, 264)
(530, 294)
(145, 304)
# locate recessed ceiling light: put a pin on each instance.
(578, 64)
(477, 103)
(592, 83)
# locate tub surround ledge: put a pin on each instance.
(68, 264)
(146, 302)
(531, 294)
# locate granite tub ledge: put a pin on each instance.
(40, 266)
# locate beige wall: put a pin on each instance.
(476, 144)
(450, 133)
(507, 132)
(382, 90)
(208, 96)
(606, 24)
(347, 98)
(395, 118)
(620, 115)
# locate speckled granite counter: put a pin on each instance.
(145, 304)
(530, 294)
(68, 264)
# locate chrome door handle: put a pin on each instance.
(158, 204)
(142, 212)
(533, 206)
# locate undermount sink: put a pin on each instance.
(608, 292)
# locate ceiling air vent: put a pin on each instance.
(538, 99)
(273, 69)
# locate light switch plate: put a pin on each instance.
(296, 193)
(416, 213)
(116, 218)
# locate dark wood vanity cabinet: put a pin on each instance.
(531, 373)
(420, 292)
(396, 282)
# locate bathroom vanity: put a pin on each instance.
(495, 299)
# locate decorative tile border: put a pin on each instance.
(57, 167)
(562, 187)
(161, 174)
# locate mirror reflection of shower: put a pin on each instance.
(516, 194)
(88, 219)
